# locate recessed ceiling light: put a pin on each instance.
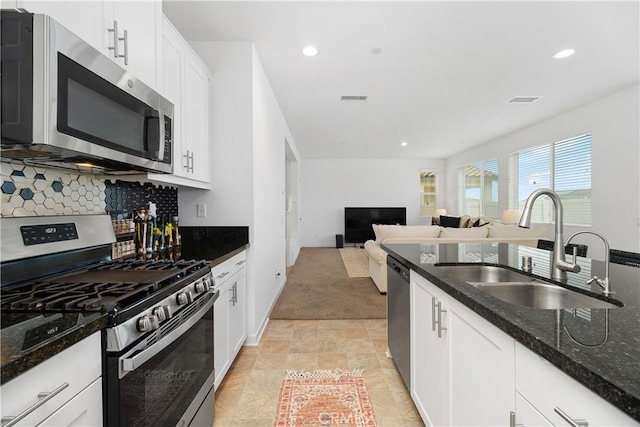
(309, 51)
(564, 53)
(404, 143)
(376, 50)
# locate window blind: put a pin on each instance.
(563, 166)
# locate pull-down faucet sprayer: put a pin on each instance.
(559, 266)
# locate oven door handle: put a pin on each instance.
(130, 364)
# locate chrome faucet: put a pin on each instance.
(560, 266)
(605, 283)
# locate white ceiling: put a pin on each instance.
(443, 76)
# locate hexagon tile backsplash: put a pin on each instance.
(34, 191)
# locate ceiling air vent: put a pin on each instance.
(523, 99)
(353, 98)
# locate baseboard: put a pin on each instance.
(253, 340)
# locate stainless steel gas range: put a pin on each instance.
(158, 343)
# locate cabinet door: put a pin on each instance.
(237, 313)
(428, 358)
(196, 117)
(84, 18)
(481, 380)
(527, 415)
(172, 73)
(221, 333)
(143, 22)
(83, 410)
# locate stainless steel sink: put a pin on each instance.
(484, 273)
(541, 295)
(520, 289)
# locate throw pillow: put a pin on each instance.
(450, 221)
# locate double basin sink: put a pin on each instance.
(520, 289)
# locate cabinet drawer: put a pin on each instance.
(223, 272)
(78, 366)
(545, 387)
(83, 410)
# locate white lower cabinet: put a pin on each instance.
(462, 366)
(229, 312)
(467, 372)
(67, 386)
(428, 354)
(481, 367)
(557, 397)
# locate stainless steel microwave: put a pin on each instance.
(65, 104)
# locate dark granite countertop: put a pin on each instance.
(27, 339)
(605, 361)
(214, 244)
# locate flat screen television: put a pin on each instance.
(357, 221)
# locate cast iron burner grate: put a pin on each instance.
(106, 288)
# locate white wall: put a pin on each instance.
(230, 201)
(270, 132)
(329, 185)
(247, 160)
(615, 125)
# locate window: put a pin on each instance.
(427, 193)
(479, 189)
(565, 167)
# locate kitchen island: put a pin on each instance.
(598, 348)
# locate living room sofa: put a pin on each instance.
(490, 232)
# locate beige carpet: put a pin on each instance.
(318, 287)
(356, 261)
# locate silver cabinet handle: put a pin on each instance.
(116, 38)
(189, 157)
(440, 311)
(43, 398)
(125, 39)
(571, 421)
(220, 276)
(512, 420)
(233, 295)
(433, 313)
(242, 261)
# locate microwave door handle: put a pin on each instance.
(153, 134)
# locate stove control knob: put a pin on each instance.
(184, 298)
(162, 312)
(202, 286)
(148, 323)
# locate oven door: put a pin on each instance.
(167, 378)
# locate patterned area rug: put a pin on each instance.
(356, 261)
(324, 399)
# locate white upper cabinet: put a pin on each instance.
(140, 47)
(186, 83)
(95, 21)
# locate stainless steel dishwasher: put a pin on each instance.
(398, 317)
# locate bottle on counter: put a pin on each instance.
(177, 240)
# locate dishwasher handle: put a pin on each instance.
(398, 268)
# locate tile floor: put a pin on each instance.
(248, 395)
